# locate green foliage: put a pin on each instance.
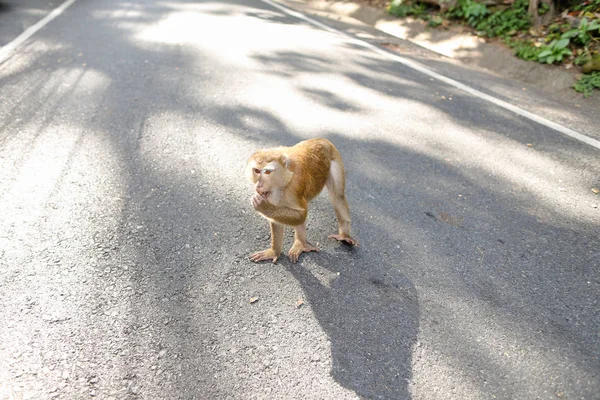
(469, 10)
(555, 51)
(524, 49)
(557, 28)
(587, 6)
(435, 21)
(419, 9)
(475, 12)
(543, 8)
(583, 56)
(465, 9)
(552, 36)
(401, 9)
(500, 23)
(583, 33)
(512, 23)
(588, 83)
(507, 22)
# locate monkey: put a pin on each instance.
(285, 180)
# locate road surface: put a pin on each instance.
(126, 224)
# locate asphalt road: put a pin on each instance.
(125, 218)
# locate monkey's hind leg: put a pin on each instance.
(336, 186)
(276, 246)
(300, 244)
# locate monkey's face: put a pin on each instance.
(268, 175)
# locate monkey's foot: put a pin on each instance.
(265, 255)
(344, 238)
(299, 248)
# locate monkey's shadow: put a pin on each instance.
(370, 312)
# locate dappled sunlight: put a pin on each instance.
(44, 138)
(336, 103)
(137, 152)
(62, 186)
(495, 303)
(57, 215)
(455, 383)
(341, 106)
(344, 8)
(25, 199)
(339, 102)
(293, 103)
(39, 174)
(224, 31)
(499, 335)
(221, 164)
(46, 90)
(453, 46)
(125, 15)
(44, 176)
(39, 154)
(557, 187)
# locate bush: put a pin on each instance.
(499, 23)
(401, 9)
(588, 83)
(583, 34)
(555, 51)
(525, 50)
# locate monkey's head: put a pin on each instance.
(269, 171)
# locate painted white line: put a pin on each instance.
(7, 50)
(424, 70)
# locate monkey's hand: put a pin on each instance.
(345, 239)
(259, 202)
(284, 215)
(265, 255)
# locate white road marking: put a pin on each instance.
(424, 70)
(7, 50)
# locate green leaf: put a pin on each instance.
(550, 59)
(562, 43)
(545, 53)
(570, 34)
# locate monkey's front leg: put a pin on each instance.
(282, 214)
(276, 246)
(300, 244)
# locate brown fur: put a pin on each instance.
(298, 175)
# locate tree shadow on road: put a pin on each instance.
(370, 312)
(445, 249)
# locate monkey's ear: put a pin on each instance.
(285, 161)
(249, 170)
(288, 165)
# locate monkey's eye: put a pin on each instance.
(268, 171)
(256, 171)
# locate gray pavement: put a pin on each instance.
(126, 221)
(18, 15)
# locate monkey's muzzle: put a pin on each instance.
(263, 194)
